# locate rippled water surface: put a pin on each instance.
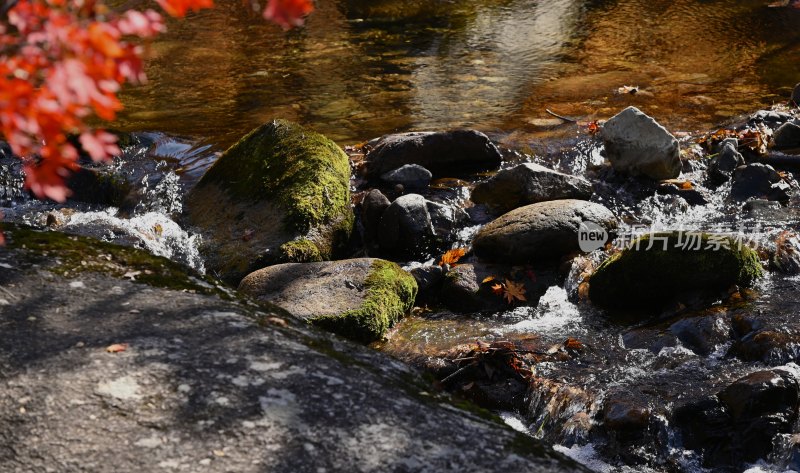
(360, 69)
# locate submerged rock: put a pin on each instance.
(410, 176)
(657, 268)
(440, 152)
(528, 183)
(637, 145)
(787, 136)
(758, 181)
(543, 232)
(702, 334)
(358, 298)
(281, 194)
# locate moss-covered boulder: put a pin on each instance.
(281, 194)
(358, 298)
(657, 268)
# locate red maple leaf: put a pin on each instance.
(288, 13)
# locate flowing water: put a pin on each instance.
(361, 69)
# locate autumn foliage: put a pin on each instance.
(64, 61)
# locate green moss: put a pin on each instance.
(390, 294)
(69, 255)
(308, 174)
(301, 251)
(638, 277)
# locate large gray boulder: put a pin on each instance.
(637, 145)
(439, 152)
(357, 298)
(281, 194)
(528, 183)
(542, 232)
(209, 384)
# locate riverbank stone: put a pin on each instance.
(281, 194)
(722, 166)
(543, 232)
(410, 176)
(758, 181)
(637, 145)
(528, 183)
(359, 298)
(658, 267)
(442, 153)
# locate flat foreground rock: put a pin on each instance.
(206, 384)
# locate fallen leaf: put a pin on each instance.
(488, 279)
(514, 291)
(452, 256)
(573, 344)
(593, 127)
(628, 89)
(498, 289)
(117, 347)
(276, 321)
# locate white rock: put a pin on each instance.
(637, 145)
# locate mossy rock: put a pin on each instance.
(281, 194)
(657, 268)
(359, 298)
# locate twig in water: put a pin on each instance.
(561, 117)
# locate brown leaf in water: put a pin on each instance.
(452, 256)
(514, 291)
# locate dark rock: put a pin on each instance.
(770, 118)
(440, 152)
(691, 196)
(637, 145)
(621, 414)
(213, 384)
(738, 425)
(101, 186)
(722, 166)
(5, 150)
(410, 176)
(647, 339)
(757, 181)
(428, 279)
(769, 346)
(702, 334)
(528, 184)
(796, 95)
(281, 194)
(372, 208)
(358, 298)
(657, 268)
(541, 232)
(406, 228)
(761, 207)
(787, 136)
(463, 289)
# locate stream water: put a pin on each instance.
(361, 69)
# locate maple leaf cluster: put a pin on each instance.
(63, 61)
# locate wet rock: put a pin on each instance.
(528, 183)
(637, 145)
(410, 176)
(787, 136)
(769, 346)
(769, 118)
(463, 289)
(98, 185)
(624, 415)
(406, 228)
(372, 208)
(722, 166)
(281, 194)
(796, 95)
(761, 207)
(691, 196)
(359, 298)
(428, 279)
(648, 339)
(787, 253)
(440, 152)
(702, 334)
(446, 220)
(758, 181)
(657, 268)
(208, 384)
(739, 424)
(5, 150)
(541, 232)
